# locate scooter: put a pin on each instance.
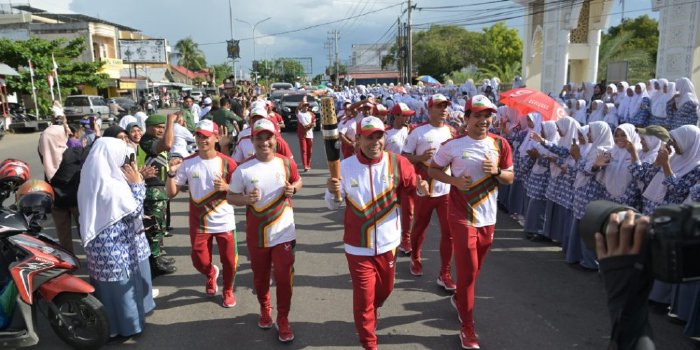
(40, 270)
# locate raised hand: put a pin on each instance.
(422, 185)
(288, 189)
(220, 184)
(489, 165)
(131, 174)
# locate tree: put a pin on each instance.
(635, 41)
(330, 71)
(286, 70)
(440, 50)
(505, 72)
(191, 57)
(221, 71)
(501, 46)
(72, 72)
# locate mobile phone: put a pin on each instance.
(132, 157)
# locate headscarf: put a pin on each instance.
(651, 90)
(588, 90)
(616, 176)
(597, 114)
(528, 143)
(104, 196)
(601, 141)
(580, 114)
(52, 143)
(659, 100)
(686, 91)
(569, 129)
(550, 133)
(610, 98)
(114, 131)
(611, 117)
(653, 144)
(637, 99)
(623, 107)
(688, 139)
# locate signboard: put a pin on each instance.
(616, 71)
(112, 67)
(233, 49)
(142, 51)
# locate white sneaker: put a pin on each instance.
(155, 292)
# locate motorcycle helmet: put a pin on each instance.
(34, 200)
(13, 173)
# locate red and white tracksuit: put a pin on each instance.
(372, 230)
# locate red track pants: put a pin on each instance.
(372, 282)
(228, 252)
(261, 261)
(306, 145)
(423, 212)
(470, 247)
(407, 207)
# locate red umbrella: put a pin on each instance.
(528, 100)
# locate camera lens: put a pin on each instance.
(595, 219)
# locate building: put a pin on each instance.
(679, 39)
(366, 65)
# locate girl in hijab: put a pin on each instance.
(559, 191)
(597, 112)
(52, 142)
(135, 134)
(610, 115)
(508, 120)
(516, 197)
(639, 112)
(567, 92)
(623, 106)
(682, 109)
(619, 185)
(588, 188)
(610, 94)
(538, 182)
(658, 101)
(581, 115)
(598, 93)
(110, 201)
(621, 93)
(652, 137)
(587, 91)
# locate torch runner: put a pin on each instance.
(331, 138)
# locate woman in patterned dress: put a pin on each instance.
(516, 195)
(587, 189)
(538, 182)
(682, 108)
(611, 115)
(620, 187)
(110, 198)
(639, 112)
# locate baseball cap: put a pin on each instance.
(258, 104)
(207, 128)
(207, 101)
(259, 111)
(379, 109)
(402, 109)
(656, 131)
(479, 103)
(369, 125)
(263, 125)
(437, 99)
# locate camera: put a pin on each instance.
(673, 244)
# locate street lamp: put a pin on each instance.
(253, 28)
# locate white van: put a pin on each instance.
(196, 95)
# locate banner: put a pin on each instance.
(233, 49)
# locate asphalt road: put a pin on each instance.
(527, 296)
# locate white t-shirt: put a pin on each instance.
(423, 138)
(305, 119)
(465, 156)
(395, 139)
(199, 174)
(244, 148)
(269, 178)
(182, 136)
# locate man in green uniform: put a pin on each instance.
(224, 117)
(156, 143)
(186, 110)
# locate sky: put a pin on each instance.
(208, 22)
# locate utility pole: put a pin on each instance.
(409, 35)
(399, 58)
(337, 60)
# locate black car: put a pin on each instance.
(288, 108)
(127, 104)
(276, 95)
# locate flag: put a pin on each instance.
(31, 68)
(55, 75)
(55, 66)
(49, 78)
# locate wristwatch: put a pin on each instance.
(499, 172)
(170, 175)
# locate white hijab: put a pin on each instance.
(104, 197)
(580, 114)
(653, 144)
(597, 114)
(617, 176)
(637, 99)
(550, 133)
(686, 90)
(611, 116)
(688, 139)
(659, 100)
(610, 98)
(601, 141)
(623, 106)
(588, 90)
(528, 143)
(569, 129)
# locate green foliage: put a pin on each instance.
(634, 40)
(461, 76)
(501, 47)
(71, 71)
(506, 72)
(191, 57)
(280, 70)
(317, 79)
(222, 71)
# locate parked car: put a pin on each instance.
(23, 121)
(78, 106)
(127, 104)
(197, 95)
(288, 108)
(281, 86)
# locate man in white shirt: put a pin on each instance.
(306, 120)
(182, 138)
(207, 174)
(207, 107)
(265, 184)
(422, 143)
(479, 162)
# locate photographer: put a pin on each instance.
(627, 280)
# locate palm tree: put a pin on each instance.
(640, 64)
(505, 73)
(191, 57)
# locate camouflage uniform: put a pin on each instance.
(154, 206)
(189, 118)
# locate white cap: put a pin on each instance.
(207, 101)
(259, 110)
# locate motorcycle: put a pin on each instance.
(40, 270)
